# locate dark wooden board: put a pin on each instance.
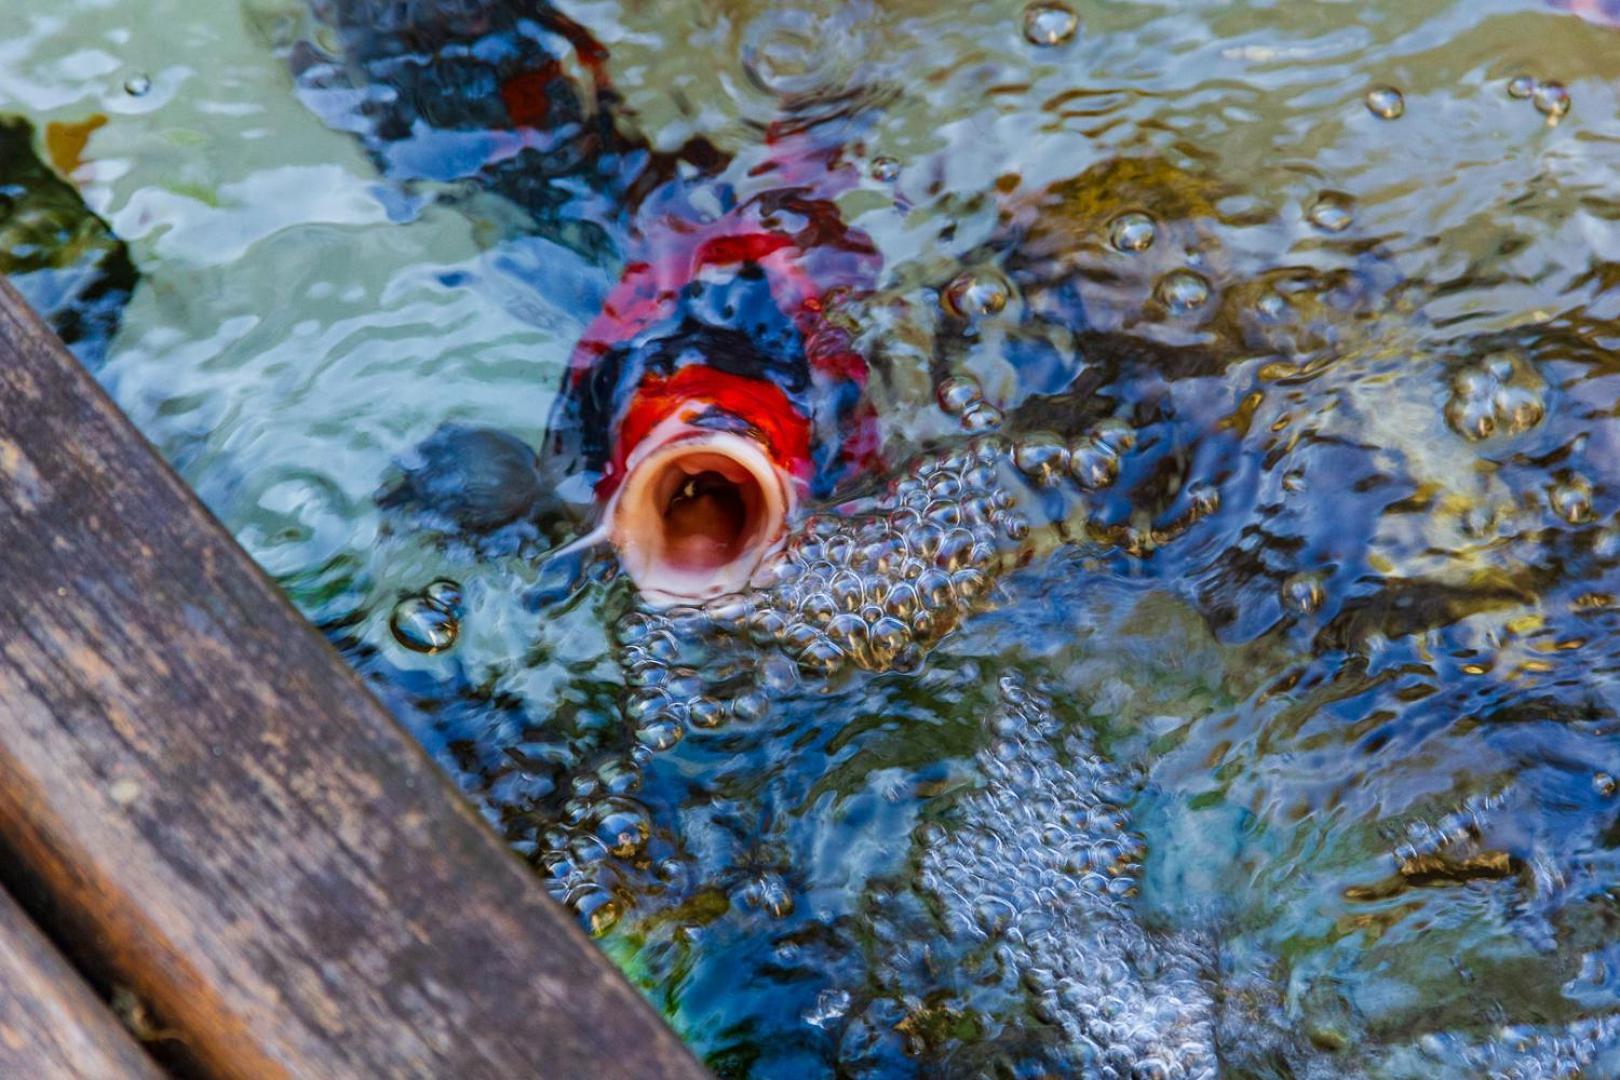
(200, 801)
(51, 1025)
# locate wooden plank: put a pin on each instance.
(222, 818)
(51, 1025)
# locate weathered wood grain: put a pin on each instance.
(219, 815)
(51, 1025)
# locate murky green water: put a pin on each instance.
(1321, 592)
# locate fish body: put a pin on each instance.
(719, 371)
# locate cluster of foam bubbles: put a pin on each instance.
(1500, 395)
(872, 583)
(429, 621)
(1521, 1052)
(601, 836)
(1031, 878)
(1550, 97)
(869, 585)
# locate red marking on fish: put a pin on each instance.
(696, 390)
(527, 96)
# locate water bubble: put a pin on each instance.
(1572, 500)
(1302, 593)
(849, 633)
(1041, 456)
(934, 588)
(981, 416)
(818, 608)
(902, 600)
(887, 637)
(970, 584)
(767, 893)
(1605, 785)
(1049, 23)
(1551, 99)
(1132, 232)
(751, 706)
(137, 85)
(660, 734)
(959, 393)
(1385, 102)
(1521, 86)
(976, 294)
(1182, 292)
(705, 712)
(423, 626)
(885, 170)
(621, 828)
(618, 776)
(1332, 212)
(596, 907)
(1093, 464)
(1502, 394)
(445, 594)
(820, 655)
(766, 626)
(1014, 526)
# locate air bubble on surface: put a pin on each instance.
(1302, 593)
(1501, 395)
(1551, 100)
(1038, 867)
(959, 393)
(1386, 102)
(1571, 499)
(1332, 212)
(1521, 86)
(1182, 292)
(885, 170)
(621, 827)
(423, 626)
(976, 294)
(596, 907)
(1132, 232)
(1049, 22)
(138, 85)
(980, 417)
(446, 594)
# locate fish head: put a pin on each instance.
(698, 511)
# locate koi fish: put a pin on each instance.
(718, 389)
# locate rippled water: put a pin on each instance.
(1221, 681)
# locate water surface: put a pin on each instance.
(1325, 779)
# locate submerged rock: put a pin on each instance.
(63, 259)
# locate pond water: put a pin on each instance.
(1261, 721)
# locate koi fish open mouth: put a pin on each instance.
(698, 512)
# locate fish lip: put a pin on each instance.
(635, 526)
